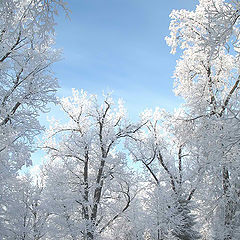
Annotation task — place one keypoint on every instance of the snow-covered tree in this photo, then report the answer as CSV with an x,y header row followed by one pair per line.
x,y
25,215
27,83
207,77
171,167
87,177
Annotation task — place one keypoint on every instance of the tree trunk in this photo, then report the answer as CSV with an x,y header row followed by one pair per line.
x,y
229,205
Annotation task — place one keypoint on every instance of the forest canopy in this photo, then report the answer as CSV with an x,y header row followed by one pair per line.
x,y
186,184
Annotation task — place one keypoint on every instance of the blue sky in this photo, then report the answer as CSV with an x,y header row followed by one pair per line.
x,y
118,45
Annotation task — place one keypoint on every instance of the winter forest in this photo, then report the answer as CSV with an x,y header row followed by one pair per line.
x,y
167,175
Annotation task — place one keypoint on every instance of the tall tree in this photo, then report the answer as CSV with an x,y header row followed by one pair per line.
x,y
207,77
92,180
170,166
27,83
